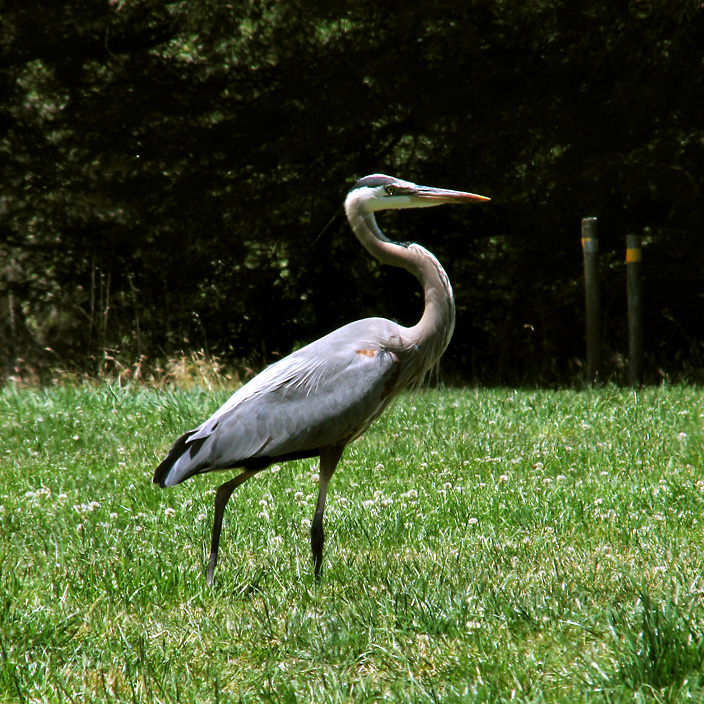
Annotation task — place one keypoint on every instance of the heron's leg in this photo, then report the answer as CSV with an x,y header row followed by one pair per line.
x,y
222,496
329,458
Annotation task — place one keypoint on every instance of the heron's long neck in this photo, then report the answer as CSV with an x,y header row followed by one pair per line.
x,y
434,330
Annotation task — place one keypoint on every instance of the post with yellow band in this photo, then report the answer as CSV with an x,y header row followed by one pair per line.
x,y
590,248
635,310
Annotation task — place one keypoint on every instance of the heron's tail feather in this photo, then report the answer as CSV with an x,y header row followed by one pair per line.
x,y
181,463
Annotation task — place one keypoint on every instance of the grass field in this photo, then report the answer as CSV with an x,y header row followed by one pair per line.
x,y
482,546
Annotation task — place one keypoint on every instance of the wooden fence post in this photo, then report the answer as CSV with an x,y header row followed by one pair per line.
x,y
635,310
590,248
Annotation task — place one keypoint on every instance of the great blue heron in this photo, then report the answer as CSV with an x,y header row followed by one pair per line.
x,y
325,395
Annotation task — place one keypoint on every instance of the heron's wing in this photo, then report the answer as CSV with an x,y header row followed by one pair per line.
x,y
327,393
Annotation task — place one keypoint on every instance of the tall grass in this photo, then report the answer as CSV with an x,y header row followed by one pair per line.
x,y
482,545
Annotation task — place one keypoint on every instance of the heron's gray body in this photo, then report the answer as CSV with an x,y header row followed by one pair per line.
x,y
325,395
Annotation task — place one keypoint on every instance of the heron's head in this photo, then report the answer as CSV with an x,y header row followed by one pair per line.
x,y
380,192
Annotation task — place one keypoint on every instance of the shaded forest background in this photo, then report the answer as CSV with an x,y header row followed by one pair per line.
x,y
167,169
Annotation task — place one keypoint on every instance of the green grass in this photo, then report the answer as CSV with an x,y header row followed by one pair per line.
x,y
482,546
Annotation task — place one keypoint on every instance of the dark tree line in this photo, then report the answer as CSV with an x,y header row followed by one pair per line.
x,y
167,169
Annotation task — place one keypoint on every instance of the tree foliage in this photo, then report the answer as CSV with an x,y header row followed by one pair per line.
x,y
167,169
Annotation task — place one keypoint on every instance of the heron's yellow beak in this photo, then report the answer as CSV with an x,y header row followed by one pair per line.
x,y
443,195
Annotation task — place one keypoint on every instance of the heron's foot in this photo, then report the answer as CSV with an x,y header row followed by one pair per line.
x,y
211,569
317,540
318,562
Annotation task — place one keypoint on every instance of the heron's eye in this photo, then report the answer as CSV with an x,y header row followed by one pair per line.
x,y
389,190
